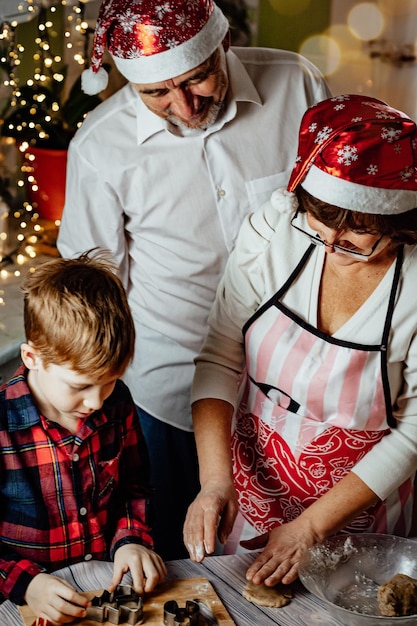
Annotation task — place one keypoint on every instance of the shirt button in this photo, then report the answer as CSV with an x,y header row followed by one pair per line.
x,y
88,557
83,511
75,457
221,193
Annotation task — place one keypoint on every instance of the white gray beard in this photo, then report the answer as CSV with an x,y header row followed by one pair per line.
x,y
179,128
183,131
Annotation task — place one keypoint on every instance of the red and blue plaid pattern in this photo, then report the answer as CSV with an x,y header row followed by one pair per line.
x,y
66,498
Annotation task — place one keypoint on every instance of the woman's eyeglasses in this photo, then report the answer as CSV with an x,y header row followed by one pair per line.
x,y
320,242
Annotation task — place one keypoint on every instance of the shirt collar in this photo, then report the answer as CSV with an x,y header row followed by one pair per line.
x,y
241,89
241,85
20,408
147,123
22,412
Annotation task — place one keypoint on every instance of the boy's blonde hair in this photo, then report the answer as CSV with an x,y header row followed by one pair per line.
x,y
76,313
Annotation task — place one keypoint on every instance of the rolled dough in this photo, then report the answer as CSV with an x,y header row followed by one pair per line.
x,y
277,596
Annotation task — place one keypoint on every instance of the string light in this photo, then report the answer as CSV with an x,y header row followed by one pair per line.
x,y
36,117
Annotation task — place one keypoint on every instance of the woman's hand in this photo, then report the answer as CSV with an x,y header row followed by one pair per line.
x,y
283,548
213,511
145,566
55,600
285,545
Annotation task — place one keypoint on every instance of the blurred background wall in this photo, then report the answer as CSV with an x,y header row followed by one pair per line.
x,y
361,47
365,47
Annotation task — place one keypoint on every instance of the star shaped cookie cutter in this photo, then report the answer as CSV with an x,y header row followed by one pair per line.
x,y
121,606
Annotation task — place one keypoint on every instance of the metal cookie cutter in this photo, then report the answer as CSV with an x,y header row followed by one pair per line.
x,y
121,606
176,616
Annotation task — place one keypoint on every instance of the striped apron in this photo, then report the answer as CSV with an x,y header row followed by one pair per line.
x,y
312,407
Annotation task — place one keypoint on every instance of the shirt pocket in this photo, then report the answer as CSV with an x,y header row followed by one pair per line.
x,y
108,478
260,190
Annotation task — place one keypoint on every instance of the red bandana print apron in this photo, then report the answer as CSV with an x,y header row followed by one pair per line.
x,y
312,407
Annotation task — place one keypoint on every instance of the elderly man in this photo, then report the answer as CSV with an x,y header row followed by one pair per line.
x,y
162,174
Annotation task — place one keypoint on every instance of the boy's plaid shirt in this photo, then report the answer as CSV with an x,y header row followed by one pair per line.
x,y
66,498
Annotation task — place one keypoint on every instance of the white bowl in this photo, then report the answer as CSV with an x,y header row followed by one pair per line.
x,y
345,572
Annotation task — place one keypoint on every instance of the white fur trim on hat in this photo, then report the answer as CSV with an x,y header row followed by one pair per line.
x,y
356,197
179,59
284,201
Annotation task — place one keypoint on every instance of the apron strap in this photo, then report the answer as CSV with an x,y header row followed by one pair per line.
x,y
281,290
392,422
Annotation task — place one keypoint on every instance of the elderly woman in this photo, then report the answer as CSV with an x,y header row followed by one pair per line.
x,y
311,356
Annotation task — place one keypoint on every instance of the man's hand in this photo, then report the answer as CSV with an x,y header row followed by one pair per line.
x,y
213,511
55,600
283,548
145,566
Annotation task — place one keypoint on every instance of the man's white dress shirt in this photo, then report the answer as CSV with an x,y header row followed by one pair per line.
x,y
169,207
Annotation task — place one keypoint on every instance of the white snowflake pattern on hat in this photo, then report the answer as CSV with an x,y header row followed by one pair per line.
x,y
128,21
347,155
341,98
183,21
407,173
162,9
323,134
390,134
364,159
383,115
172,42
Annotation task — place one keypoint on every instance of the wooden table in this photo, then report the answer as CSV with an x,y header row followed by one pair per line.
x,y
227,576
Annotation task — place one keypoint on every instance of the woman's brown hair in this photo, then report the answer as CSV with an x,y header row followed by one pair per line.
x,y
400,228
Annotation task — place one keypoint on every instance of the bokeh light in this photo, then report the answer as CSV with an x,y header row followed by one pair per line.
x,y
366,21
354,73
323,51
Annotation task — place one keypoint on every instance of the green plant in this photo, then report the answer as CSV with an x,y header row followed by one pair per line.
x,y
43,112
39,116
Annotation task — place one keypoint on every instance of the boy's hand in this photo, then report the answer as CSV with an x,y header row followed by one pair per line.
x,y
55,600
146,567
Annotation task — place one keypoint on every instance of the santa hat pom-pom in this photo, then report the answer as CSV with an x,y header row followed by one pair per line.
x,y
284,201
94,82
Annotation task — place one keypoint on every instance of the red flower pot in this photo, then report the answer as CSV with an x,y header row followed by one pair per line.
x,y
46,191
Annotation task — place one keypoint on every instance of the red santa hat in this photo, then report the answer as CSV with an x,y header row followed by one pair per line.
x,y
357,153
153,40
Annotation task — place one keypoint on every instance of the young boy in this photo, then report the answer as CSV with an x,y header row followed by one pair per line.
x,y
73,463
